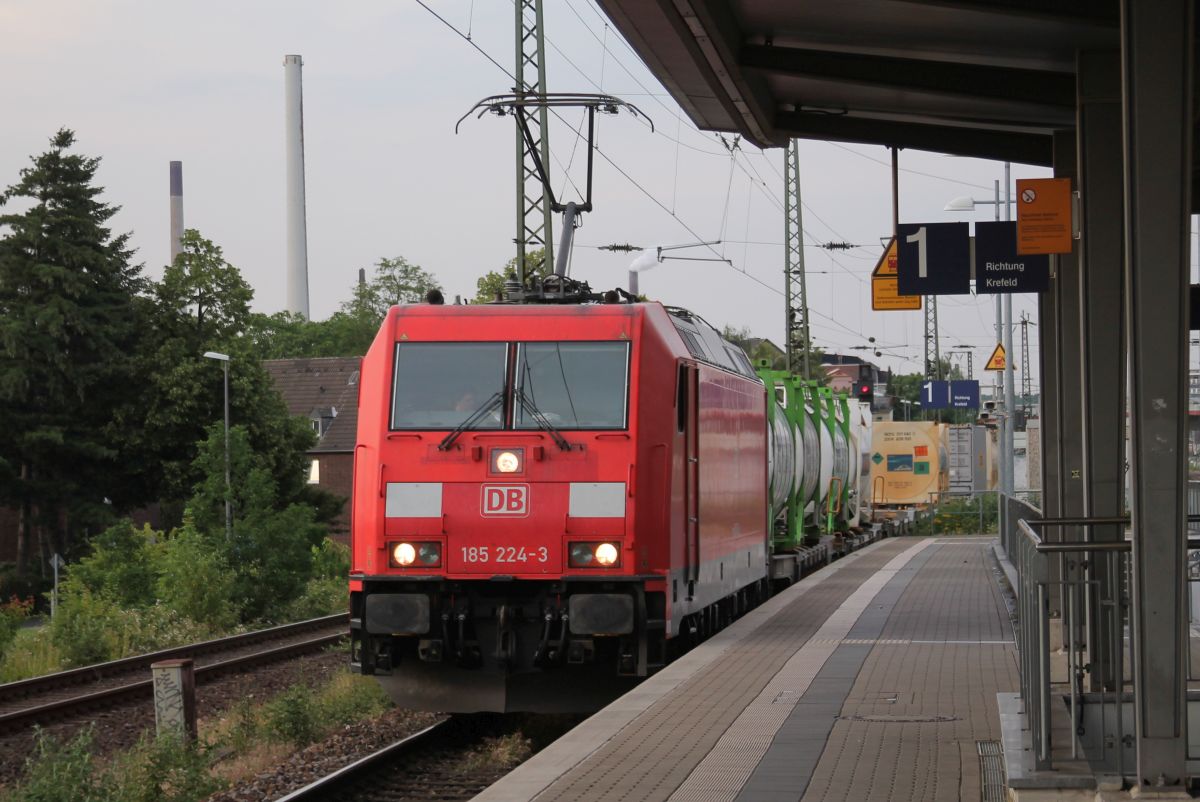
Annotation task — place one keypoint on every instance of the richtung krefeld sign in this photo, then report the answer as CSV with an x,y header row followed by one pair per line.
x,y
998,266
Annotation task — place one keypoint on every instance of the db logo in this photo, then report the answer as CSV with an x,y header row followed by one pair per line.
x,y
505,500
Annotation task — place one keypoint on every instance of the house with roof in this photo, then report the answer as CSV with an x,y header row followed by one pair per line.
x,y
325,391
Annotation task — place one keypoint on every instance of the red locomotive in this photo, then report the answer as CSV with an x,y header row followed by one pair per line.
x,y
548,498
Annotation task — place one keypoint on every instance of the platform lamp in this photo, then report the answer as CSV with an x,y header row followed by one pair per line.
x,y
224,360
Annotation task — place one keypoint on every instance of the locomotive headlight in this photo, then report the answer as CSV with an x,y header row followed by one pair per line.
x,y
593,555
404,553
429,553
582,555
507,460
425,555
607,554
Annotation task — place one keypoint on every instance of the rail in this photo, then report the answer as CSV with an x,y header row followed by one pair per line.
x,y
83,675
39,700
325,787
1073,632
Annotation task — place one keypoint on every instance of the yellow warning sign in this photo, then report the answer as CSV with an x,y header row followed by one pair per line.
x,y
998,358
885,290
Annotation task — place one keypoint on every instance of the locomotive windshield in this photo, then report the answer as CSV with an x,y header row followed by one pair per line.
x,y
441,385
575,385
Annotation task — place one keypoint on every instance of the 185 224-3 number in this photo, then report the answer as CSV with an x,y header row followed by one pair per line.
x,y
505,554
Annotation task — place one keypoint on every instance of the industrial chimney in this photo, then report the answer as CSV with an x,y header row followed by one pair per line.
x,y
297,235
176,209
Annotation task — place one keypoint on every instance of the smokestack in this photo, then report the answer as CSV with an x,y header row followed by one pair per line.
x,y
176,209
297,234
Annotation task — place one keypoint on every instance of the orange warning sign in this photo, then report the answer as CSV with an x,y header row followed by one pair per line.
x,y
885,289
998,358
1044,215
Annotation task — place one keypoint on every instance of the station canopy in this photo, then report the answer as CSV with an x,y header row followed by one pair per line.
x,y
991,79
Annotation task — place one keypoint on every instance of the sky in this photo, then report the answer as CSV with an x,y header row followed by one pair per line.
x,y
143,83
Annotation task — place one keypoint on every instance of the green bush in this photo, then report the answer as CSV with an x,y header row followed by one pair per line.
x,y
58,771
327,591
31,654
166,768
331,560
84,627
293,716
320,597
157,769
91,628
123,565
195,581
961,516
301,715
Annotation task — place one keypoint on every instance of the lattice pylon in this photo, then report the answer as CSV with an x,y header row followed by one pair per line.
x,y
795,294
933,354
534,225
1026,376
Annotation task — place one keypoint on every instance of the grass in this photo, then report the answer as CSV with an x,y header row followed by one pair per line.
x,y
247,739
31,654
502,752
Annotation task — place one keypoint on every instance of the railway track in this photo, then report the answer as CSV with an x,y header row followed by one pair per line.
x,y
65,694
445,762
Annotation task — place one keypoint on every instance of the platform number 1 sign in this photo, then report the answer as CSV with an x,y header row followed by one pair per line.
x,y
935,395
933,258
922,256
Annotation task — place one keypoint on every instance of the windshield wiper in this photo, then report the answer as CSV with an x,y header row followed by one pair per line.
x,y
471,420
541,421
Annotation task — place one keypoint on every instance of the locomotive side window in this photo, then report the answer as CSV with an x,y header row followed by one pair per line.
x,y
681,399
442,385
575,385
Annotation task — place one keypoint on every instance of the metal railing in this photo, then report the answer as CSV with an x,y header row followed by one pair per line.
x,y
1073,623
1089,637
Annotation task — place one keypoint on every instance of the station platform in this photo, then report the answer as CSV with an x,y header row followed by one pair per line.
x,y
874,678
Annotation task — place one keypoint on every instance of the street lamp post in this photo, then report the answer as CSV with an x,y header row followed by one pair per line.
x,y
224,360
1004,389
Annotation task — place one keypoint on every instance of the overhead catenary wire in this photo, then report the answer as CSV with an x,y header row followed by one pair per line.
x,y
649,195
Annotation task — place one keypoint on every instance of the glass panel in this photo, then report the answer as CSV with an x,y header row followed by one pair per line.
x,y
440,385
575,385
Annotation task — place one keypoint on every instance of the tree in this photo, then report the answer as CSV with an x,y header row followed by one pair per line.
x,y
349,331
70,322
203,304
490,285
273,536
203,293
396,281
759,349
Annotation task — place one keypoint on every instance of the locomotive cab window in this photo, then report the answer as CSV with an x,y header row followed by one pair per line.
x,y
443,385
573,385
